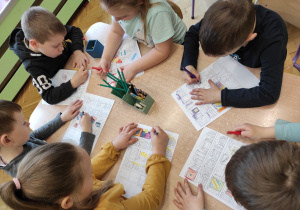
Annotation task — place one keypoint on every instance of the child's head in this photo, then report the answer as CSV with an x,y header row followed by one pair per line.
x,y
127,9
265,175
14,130
44,31
227,25
53,176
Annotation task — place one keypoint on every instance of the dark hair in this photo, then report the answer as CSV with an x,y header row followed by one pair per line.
x,y
7,110
40,24
47,174
132,3
226,26
265,175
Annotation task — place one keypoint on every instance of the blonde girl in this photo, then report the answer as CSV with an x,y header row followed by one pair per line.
x,y
152,22
62,176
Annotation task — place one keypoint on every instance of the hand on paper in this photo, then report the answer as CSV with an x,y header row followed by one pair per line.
x,y
80,77
104,66
255,132
124,140
71,111
207,96
85,122
159,140
185,198
80,59
187,78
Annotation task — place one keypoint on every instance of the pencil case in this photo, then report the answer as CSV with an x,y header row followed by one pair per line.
x,y
142,105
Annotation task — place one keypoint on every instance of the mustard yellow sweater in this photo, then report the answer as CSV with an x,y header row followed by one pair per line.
x,y
157,169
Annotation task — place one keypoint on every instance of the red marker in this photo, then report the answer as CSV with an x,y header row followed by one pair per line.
x,y
99,69
234,132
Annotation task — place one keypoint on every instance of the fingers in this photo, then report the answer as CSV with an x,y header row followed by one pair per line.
x,y
200,191
132,141
187,188
178,195
180,190
180,206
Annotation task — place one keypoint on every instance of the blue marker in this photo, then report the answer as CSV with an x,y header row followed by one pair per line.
x,y
191,75
133,57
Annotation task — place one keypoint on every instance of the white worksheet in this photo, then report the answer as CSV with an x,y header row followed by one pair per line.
x,y
63,76
98,108
128,52
132,170
224,72
207,162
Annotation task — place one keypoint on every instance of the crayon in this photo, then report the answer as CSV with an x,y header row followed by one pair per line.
x,y
234,132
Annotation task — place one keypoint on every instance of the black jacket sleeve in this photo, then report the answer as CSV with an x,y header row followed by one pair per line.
x,y
75,35
191,46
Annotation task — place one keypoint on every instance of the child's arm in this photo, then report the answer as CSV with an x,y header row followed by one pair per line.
x,y
86,138
157,169
255,132
109,154
75,35
48,129
185,198
155,56
112,44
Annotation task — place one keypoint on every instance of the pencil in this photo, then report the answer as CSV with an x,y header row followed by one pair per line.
x,y
234,132
191,75
99,69
124,79
112,87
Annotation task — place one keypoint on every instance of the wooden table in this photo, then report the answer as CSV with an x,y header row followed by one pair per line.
x,y
160,81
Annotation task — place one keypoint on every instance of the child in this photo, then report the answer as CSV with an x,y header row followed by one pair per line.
x,y
42,48
73,181
152,22
253,35
263,175
16,140
283,130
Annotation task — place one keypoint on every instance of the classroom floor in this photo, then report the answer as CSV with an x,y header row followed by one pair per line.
x,y
92,12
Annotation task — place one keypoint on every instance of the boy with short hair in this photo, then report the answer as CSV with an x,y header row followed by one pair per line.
x,y
16,140
253,35
264,175
42,47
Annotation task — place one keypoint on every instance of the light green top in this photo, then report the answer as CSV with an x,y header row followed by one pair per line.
x,y
163,23
288,131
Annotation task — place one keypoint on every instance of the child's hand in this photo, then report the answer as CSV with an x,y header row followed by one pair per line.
x,y
185,198
255,132
207,96
104,65
80,77
71,111
85,122
80,59
159,140
123,139
129,72
187,78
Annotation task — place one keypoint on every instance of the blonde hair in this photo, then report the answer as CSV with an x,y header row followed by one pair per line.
x,y
143,8
47,174
40,24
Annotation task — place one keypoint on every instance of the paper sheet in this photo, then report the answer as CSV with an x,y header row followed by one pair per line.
x,y
127,53
224,72
132,169
98,108
63,76
207,162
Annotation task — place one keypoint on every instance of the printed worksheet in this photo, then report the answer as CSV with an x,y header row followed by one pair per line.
x,y
63,76
98,108
128,52
224,72
132,170
206,165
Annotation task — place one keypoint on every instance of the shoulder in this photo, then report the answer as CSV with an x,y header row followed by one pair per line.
x,y
159,6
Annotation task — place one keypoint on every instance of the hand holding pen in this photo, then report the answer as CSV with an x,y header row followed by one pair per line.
x,y
190,75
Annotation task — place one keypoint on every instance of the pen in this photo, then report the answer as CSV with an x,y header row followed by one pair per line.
x,y
191,75
234,132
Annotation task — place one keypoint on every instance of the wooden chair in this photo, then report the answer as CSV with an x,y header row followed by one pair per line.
x,y
176,8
